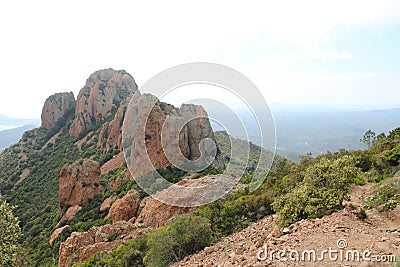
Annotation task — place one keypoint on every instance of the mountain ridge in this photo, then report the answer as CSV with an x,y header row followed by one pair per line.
x,y
74,133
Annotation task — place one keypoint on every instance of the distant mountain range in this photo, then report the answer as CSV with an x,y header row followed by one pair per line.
x,y
11,129
7,121
317,130
321,131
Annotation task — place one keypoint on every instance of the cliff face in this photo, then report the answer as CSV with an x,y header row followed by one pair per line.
x,y
166,120
58,109
79,182
111,133
104,91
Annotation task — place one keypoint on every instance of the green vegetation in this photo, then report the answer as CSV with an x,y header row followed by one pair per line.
x,y
185,236
224,143
386,196
37,197
320,190
368,138
9,235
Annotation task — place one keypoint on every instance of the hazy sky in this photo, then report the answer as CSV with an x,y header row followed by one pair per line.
x,y
323,53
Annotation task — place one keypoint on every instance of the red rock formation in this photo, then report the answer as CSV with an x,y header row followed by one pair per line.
x,y
156,213
125,208
104,91
116,162
111,133
56,234
69,214
107,203
58,109
79,182
81,246
198,129
167,120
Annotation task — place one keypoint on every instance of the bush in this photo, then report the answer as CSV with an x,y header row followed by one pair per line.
x,y
185,236
392,156
325,186
126,255
386,196
236,212
9,235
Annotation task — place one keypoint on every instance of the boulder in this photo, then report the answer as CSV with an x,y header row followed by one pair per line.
x,y
125,208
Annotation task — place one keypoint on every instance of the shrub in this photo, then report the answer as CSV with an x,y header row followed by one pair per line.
x,y
9,235
235,213
126,255
386,196
392,156
185,236
325,186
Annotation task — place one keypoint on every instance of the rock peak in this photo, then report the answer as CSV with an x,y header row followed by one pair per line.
x,y
105,91
57,110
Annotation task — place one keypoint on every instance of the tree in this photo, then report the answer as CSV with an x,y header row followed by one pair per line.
x,y
10,232
368,138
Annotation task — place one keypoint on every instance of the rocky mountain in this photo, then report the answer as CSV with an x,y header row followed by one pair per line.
x,y
77,202
103,93
69,176
57,110
176,134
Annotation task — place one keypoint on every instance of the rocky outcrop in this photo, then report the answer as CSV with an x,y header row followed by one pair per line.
x,y
110,136
81,246
70,214
116,162
125,208
156,213
107,203
197,129
79,182
56,234
57,110
103,93
182,128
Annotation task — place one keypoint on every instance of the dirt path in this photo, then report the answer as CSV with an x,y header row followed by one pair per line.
x,y
379,234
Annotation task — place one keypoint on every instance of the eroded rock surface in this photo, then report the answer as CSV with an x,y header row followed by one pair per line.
x,y
104,91
79,182
57,110
81,246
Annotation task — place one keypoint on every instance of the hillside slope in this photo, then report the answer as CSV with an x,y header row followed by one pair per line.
x,y
9,137
379,233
